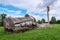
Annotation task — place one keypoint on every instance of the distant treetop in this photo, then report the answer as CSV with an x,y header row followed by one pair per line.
x,y
27,15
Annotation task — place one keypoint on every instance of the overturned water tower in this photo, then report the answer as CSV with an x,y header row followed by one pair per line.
x,y
20,24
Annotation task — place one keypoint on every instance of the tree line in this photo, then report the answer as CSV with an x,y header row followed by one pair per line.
x,y
52,21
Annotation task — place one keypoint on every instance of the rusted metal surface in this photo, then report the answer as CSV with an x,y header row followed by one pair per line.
x,y
22,23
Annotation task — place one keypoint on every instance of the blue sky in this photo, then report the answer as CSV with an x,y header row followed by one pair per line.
x,y
36,8
9,9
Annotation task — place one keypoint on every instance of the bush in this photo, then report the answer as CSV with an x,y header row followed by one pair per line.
x,y
43,20
53,20
58,22
39,22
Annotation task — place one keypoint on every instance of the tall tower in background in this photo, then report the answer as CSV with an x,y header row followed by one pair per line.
x,y
48,9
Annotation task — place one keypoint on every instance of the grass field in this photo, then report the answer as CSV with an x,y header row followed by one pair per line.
x,y
48,33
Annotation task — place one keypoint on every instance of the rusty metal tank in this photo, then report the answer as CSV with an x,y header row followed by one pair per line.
x,y
20,23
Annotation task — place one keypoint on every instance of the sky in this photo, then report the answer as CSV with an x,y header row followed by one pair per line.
x,y
35,8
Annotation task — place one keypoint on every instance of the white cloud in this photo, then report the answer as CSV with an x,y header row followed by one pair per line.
x,y
18,12
10,11
27,4
55,10
35,6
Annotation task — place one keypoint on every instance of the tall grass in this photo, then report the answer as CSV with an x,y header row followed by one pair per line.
x,y
48,33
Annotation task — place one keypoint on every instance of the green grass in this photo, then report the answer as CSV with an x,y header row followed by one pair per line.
x,y
48,33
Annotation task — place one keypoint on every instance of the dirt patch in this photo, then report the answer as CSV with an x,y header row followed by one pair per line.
x,y
43,25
